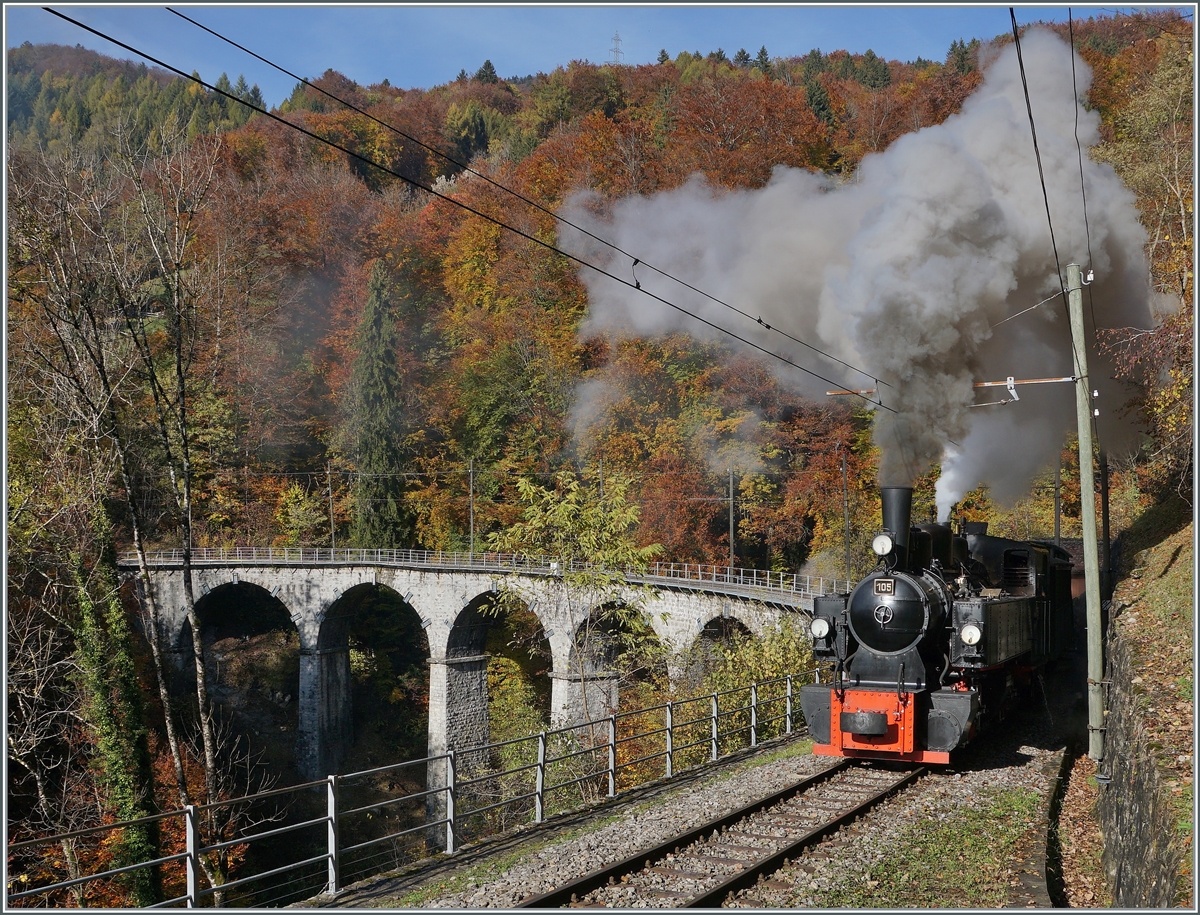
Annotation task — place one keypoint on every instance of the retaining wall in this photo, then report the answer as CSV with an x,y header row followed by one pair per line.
x,y
1143,850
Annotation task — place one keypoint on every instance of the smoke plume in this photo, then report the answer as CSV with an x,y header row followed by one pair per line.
x,y
908,272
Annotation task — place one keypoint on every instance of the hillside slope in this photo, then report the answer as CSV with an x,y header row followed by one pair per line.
x,y
1146,811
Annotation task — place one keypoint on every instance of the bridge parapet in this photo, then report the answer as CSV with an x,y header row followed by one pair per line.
x,y
739,582
442,588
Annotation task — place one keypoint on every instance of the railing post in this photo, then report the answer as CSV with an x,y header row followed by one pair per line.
x,y
754,714
714,726
331,806
612,755
450,802
192,829
539,810
789,703
670,740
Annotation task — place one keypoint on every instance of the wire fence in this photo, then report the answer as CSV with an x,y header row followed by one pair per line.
x,y
322,835
670,574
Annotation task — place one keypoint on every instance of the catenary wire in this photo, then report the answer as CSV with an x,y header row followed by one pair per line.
x,y
1079,149
533,203
1026,310
1037,151
1042,176
1083,193
464,206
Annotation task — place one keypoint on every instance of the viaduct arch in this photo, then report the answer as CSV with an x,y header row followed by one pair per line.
x,y
320,589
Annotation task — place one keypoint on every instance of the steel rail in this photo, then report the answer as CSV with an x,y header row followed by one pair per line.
x,y
580,886
713,897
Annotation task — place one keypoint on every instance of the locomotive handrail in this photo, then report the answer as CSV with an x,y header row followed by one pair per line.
x,y
665,574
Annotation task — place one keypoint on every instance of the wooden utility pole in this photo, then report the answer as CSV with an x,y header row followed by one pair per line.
x,y
730,516
1058,503
329,478
846,514
1087,499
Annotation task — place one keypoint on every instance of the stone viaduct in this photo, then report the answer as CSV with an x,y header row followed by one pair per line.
x,y
320,588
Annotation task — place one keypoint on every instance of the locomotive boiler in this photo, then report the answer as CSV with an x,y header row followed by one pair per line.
x,y
943,638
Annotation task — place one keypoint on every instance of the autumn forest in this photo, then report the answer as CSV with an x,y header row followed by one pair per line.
x,y
225,332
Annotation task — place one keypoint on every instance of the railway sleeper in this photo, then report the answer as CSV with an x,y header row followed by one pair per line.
x,y
739,863
680,873
734,847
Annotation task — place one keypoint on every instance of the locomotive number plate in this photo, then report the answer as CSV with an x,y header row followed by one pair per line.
x,y
885,586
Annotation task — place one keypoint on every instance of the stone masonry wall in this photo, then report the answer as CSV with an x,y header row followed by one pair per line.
x,y
1142,851
467,711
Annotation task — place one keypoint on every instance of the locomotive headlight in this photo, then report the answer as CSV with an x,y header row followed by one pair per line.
x,y
820,628
882,544
970,634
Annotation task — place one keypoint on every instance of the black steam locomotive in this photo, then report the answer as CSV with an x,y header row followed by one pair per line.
x,y
938,641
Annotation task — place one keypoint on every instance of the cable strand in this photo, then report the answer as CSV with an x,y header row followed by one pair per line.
x,y
533,203
467,207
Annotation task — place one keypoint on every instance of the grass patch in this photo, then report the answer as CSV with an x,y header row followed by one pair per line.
x,y
1184,685
962,863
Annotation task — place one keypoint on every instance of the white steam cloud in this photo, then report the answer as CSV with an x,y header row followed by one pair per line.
x,y
908,271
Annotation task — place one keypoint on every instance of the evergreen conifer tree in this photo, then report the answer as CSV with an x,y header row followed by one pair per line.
x,y
873,72
818,100
763,61
663,56
486,73
382,520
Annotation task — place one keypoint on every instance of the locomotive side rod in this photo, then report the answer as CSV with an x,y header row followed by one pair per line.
x,y
563,895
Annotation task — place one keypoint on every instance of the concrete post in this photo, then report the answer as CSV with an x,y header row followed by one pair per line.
x,y
1087,500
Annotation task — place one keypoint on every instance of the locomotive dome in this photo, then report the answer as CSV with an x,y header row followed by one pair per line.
x,y
889,611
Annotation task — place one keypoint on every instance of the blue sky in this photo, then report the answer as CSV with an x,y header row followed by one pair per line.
x,y
425,45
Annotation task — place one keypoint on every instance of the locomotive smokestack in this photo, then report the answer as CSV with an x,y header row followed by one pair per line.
x,y
897,514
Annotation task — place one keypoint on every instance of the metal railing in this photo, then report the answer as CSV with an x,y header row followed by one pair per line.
x,y
543,774
675,574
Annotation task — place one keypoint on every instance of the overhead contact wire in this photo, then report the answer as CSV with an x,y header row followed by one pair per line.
x,y
1041,174
533,203
1037,151
1083,193
468,208
1087,228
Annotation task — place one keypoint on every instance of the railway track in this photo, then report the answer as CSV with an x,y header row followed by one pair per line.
x,y
700,868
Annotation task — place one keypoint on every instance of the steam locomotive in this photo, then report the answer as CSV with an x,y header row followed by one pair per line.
x,y
942,639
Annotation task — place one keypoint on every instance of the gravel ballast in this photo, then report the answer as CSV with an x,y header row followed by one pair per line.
x,y
1023,754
